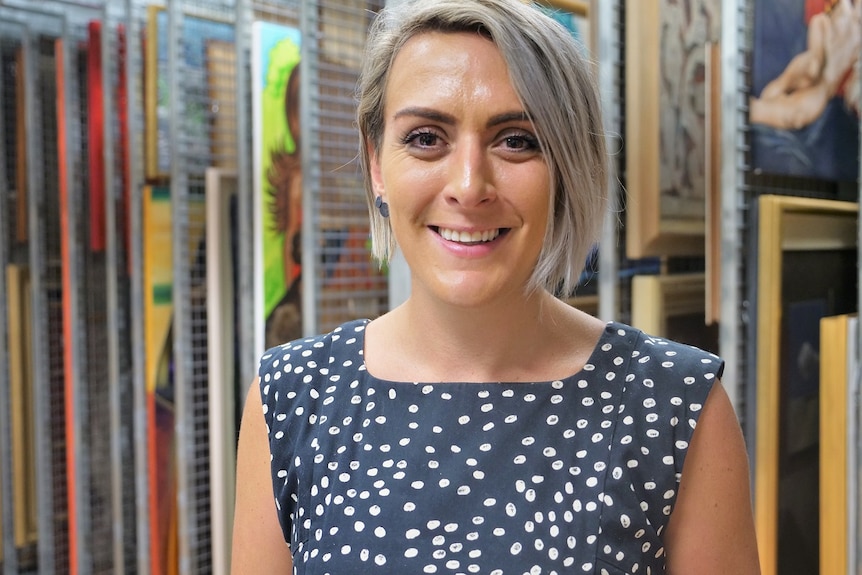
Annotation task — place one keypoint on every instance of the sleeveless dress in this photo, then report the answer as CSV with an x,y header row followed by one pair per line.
x,y
577,475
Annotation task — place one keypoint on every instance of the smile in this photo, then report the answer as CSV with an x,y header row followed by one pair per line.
x,y
469,237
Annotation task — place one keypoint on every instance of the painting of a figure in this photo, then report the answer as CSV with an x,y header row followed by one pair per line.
x,y
668,89
804,106
278,180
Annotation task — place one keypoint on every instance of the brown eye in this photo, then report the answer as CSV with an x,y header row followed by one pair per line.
x,y
520,143
426,139
421,139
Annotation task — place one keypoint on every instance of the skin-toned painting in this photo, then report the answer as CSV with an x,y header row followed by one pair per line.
x,y
804,105
666,59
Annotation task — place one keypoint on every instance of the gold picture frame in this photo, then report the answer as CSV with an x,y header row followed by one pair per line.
x,y
672,306
837,375
657,298
787,227
18,297
666,127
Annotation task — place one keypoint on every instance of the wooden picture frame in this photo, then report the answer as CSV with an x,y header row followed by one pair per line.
x,y
837,379
793,229
712,240
665,91
197,33
672,306
18,299
221,193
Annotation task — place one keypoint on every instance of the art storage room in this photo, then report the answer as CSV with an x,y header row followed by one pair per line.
x,y
610,327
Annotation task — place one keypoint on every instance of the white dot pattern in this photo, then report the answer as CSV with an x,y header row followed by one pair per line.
x,y
576,475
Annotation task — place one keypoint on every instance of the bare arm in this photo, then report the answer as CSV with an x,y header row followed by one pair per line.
x,y
711,530
258,542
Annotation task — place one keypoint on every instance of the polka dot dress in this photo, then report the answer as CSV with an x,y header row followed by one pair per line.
x,y
572,476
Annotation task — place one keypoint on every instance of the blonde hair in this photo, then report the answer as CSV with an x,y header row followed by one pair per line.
x,y
555,84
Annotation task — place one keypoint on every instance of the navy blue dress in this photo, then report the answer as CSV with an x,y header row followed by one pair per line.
x,y
577,475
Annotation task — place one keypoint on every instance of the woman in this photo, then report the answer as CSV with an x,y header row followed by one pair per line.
x,y
484,426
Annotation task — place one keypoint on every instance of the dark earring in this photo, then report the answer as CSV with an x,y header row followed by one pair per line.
x,y
381,206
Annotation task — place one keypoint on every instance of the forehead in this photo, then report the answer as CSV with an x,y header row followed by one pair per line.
x,y
464,65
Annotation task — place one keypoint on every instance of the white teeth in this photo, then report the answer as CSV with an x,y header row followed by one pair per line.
x,y
469,237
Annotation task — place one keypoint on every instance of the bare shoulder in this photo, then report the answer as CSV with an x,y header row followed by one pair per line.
x,y
711,530
258,542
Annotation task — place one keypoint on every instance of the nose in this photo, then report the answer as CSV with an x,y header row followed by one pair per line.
x,y
470,181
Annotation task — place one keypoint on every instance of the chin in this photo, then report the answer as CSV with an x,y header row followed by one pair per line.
x,y
477,290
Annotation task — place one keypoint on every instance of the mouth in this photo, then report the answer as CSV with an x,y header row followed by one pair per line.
x,y
470,238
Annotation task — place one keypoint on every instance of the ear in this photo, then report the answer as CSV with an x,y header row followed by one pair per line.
x,y
374,167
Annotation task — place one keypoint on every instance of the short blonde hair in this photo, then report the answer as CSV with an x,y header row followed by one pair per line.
x,y
554,82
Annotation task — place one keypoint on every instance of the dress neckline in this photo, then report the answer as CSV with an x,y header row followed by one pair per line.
x,y
613,331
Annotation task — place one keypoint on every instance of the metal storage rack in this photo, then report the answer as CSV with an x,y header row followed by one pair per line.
x,y
99,358
93,515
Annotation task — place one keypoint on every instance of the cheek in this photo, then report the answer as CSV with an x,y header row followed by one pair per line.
x,y
409,185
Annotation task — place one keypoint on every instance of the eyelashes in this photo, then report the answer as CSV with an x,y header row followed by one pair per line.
x,y
515,141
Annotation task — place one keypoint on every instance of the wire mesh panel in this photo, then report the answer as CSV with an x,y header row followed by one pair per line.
x,y
96,387
609,47
72,65
55,553
135,192
201,37
13,263
121,407
346,282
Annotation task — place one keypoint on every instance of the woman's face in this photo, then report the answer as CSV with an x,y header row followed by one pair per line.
x,y
460,166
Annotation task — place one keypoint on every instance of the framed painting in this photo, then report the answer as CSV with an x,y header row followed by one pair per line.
x,y
277,176
197,33
805,116
807,253
666,88
223,377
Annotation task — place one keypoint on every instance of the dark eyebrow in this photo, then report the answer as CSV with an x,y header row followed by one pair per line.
x,y
426,113
436,116
508,117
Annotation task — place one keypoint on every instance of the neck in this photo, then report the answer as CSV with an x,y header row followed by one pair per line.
x,y
512,341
